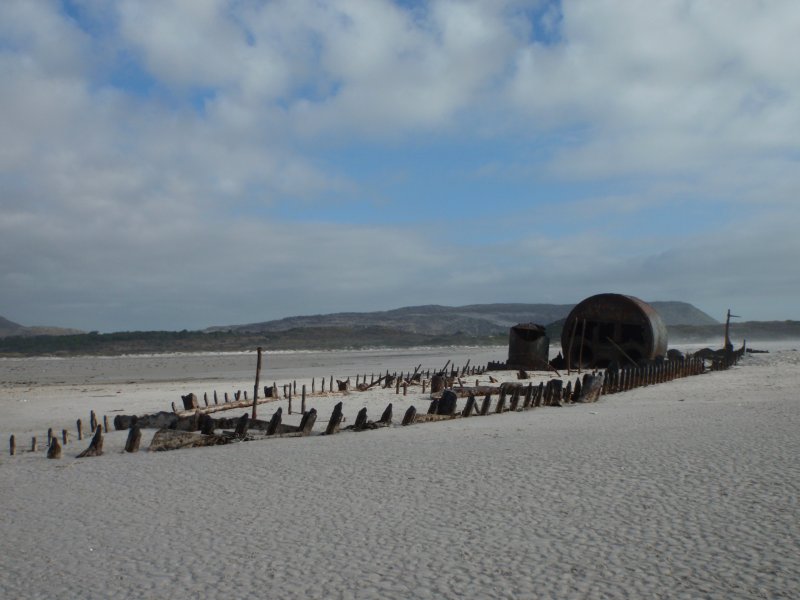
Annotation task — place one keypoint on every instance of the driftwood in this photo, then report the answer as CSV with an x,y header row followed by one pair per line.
x,y
169,439
95,446
487,401
363,387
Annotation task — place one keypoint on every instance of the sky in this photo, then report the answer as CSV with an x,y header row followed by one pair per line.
x,y
177,164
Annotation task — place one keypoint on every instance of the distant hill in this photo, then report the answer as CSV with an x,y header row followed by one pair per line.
x,y
472,319
9,329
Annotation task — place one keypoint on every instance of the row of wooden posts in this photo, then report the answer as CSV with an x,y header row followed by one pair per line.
x,y
554,393
288,391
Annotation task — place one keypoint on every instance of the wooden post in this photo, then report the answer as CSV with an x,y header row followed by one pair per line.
x,y
49,435
33,444
95,446
501,403
528,396
105,423
487,400
335,420
92,420
397,386
303,401
205,398
226,397
424,382
408,418
330,384
361,419
386,417
290,400
358,378
216,401
322,387
294,387
258,378
80,429
175,409
12,445
313,384
65,436
54,448
470,407
307,422
134,438
405,389
242,426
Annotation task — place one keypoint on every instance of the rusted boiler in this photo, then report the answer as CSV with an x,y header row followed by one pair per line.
x,y
528,347
613,327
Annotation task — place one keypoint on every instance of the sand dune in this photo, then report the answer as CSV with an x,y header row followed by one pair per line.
x,y
683,490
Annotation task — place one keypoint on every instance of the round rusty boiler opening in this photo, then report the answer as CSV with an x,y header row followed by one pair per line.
x,y
528,346
613,327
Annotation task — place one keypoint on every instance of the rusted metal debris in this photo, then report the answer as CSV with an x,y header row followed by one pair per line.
x,y
613,329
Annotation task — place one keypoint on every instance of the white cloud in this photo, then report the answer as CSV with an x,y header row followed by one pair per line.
x,y
115,198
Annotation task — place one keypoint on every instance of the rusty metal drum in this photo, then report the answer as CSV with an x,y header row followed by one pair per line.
x,y
608,328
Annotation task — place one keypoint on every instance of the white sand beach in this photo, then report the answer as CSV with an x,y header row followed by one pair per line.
x,y
687,489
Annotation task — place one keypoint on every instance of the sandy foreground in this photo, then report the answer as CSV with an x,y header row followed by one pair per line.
x,y
687,489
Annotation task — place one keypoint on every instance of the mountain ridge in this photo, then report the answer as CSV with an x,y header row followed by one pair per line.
x,y
470,319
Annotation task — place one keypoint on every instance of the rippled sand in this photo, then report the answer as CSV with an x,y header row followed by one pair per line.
x,y
684,490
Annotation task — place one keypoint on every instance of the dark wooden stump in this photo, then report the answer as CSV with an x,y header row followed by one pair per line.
x,y
275,421
361,419
189,402
437,383
408,418
92,420
307,422
514,401
134,439
242,425
54,449
95,446
386,417
335,421
487,401
433,407
447,403
469,407
207,425
501,403
12,445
